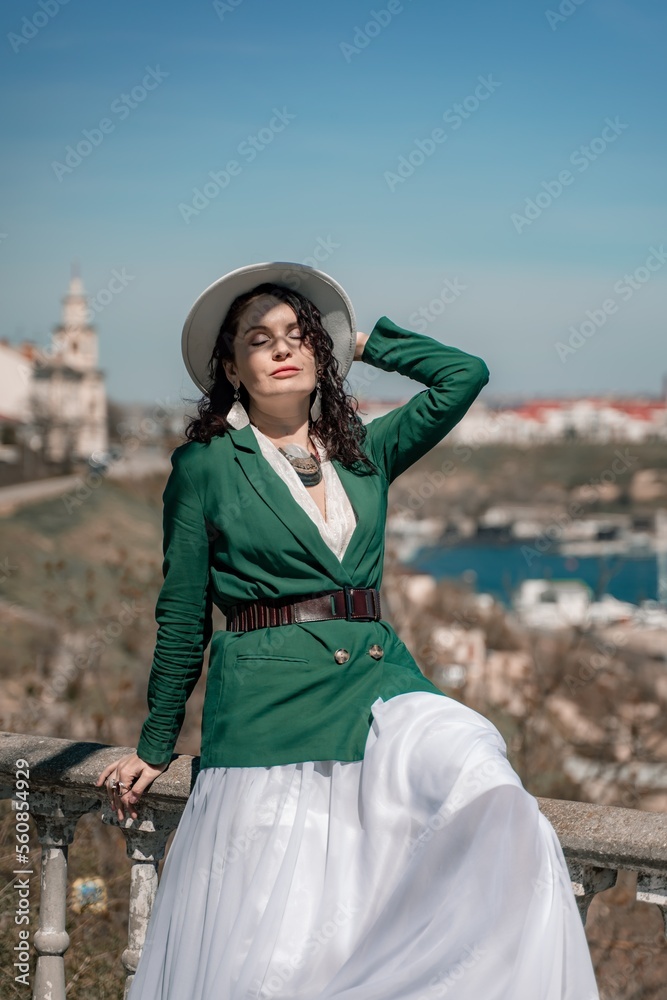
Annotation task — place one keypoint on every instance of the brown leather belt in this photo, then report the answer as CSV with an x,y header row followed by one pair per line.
x,y
351,603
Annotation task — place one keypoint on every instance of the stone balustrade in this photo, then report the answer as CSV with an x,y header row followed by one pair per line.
x,y
597,841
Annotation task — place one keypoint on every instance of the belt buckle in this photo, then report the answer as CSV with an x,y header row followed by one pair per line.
x,y
349,607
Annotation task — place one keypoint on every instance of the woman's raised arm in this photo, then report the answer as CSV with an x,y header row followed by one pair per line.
x,y
454,380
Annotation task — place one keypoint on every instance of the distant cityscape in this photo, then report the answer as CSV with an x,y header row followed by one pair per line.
x,y
54,403
595,419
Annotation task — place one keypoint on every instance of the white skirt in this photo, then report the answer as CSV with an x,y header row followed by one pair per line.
x,y
424,870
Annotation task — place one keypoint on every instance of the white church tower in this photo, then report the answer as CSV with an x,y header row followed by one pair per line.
x,y
69,397
74,339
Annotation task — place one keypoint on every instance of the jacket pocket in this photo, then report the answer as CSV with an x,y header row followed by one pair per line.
x,y
246,667
271,656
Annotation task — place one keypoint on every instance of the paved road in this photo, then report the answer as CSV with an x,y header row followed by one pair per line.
x,y
20,494
144,462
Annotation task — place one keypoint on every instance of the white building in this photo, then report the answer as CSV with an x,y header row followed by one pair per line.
x,y
67,397
547,604
538,421
15,378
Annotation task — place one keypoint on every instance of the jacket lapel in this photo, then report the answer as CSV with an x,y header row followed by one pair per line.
x,y
276,495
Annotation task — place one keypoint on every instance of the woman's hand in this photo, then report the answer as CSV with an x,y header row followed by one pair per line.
x,y
133,776
361,343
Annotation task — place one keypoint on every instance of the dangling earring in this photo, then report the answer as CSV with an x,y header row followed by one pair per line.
x,y
316,408
237,416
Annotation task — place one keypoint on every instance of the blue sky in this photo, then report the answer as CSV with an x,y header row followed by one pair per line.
x,y
358,89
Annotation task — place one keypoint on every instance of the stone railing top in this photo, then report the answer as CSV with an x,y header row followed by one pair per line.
x,y
604,836
609,836
71,767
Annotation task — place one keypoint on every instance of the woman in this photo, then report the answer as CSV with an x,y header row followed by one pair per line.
x,y
352,832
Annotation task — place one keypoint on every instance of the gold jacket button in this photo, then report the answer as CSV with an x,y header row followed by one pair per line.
x,y
376,651
342,655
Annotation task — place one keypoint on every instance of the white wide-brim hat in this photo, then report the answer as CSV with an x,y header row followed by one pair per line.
x,y
203,322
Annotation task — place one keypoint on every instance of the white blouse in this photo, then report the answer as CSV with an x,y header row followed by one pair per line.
x,y
341,520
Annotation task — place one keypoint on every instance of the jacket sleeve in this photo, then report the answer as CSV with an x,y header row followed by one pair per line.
x,y
397,439
183,614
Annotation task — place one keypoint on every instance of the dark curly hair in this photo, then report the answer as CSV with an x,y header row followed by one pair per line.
x,y
338,425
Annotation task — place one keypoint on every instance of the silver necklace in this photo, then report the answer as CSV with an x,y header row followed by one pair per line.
x,y
306,465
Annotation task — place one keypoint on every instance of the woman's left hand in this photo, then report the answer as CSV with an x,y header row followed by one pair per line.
x,y
361,343
137,775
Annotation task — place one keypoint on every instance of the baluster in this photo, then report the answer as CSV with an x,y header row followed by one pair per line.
x,y
146,839
653,889
587,881
55,817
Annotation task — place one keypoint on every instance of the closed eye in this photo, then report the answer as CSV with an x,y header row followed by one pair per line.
x,y
258,343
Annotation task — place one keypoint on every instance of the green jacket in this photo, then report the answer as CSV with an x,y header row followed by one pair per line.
x,y
233,532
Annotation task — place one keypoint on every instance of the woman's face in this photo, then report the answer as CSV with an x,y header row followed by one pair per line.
x,y
267,340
